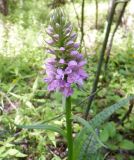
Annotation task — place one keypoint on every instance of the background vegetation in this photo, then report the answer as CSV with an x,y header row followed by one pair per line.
x,y
24,98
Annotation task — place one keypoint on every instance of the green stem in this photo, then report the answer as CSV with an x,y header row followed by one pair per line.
x,y
69,128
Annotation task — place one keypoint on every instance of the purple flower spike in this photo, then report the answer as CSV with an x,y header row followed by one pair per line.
x,y
66,68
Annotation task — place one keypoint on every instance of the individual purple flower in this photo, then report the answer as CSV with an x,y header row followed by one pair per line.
x,y
74,53
51,51
62,49
53,85
49,30
62,61
73,36
66,67
68,70
66,90
81,63
76,45
56,36
72,63
50,61
70,43
72,78
60,74
79,57
50,42
68,30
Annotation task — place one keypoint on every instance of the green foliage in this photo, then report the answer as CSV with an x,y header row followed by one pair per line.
x,y
7,150
108,131
127,145
87,139
24,98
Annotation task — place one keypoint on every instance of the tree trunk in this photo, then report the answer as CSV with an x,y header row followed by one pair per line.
x,y
4,7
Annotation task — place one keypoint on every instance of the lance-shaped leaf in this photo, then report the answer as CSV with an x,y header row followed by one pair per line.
x,y
84,149
45,127
87,141
107,112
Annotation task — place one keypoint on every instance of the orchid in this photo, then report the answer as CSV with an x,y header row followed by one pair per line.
x,y
66,66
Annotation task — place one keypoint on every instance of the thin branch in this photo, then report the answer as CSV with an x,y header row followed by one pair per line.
x,y
90,95
77,16
128,112
122,1
96,14
102,53
112,37
8,99
82,21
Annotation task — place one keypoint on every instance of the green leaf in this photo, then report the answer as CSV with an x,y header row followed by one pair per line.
x,y
111,129
2,149
86,142
126,144
104,135
107,112
45,127
112,146
16,96
88,126
35,85
84,134
16,153
78,143
108,131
